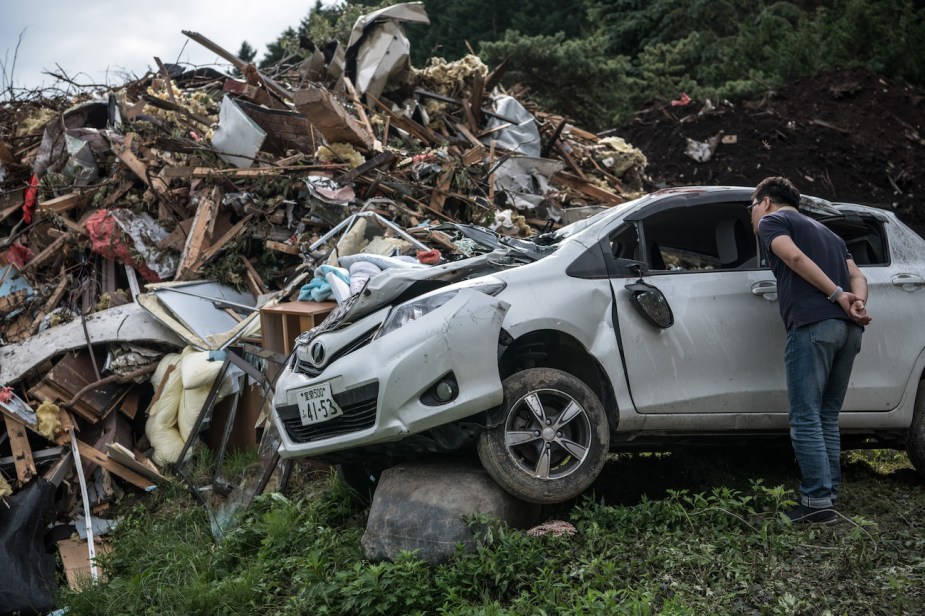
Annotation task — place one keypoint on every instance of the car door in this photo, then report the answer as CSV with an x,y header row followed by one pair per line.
x,y
724,352
890,256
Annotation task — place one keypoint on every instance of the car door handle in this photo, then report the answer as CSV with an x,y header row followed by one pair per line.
x,y
767,289
908,282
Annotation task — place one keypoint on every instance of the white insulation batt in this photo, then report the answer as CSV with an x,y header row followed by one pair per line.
x,y
173,414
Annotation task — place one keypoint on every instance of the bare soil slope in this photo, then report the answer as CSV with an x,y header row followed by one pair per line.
x,y
844,135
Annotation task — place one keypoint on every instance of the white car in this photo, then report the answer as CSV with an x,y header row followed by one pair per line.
x,y
652,323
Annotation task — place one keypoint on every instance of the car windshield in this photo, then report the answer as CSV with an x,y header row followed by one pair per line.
x,y
580,225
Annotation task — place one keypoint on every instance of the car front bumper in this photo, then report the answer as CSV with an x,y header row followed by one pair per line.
x,y
382,385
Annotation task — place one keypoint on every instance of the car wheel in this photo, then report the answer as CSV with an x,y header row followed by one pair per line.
x,y
915,443
553,438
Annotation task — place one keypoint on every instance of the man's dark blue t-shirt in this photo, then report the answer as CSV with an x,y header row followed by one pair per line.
x,y
800,302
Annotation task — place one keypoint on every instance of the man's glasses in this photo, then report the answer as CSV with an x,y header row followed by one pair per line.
x,y
753,206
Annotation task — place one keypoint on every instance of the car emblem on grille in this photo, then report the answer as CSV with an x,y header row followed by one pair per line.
x,y
317,352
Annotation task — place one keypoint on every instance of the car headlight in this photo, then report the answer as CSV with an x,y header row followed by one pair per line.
x,y
416,308
413,310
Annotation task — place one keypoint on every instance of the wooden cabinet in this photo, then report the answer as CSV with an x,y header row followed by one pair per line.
x,y
282,323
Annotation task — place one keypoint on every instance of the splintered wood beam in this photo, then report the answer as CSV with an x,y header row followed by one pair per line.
x,y
254,279
465,132
198,236
361,110
218,244
22,451
544,153
281,247
124,152
51,250
385,159
53,299
205,172
494,77
98,457
65,203
417,130
586,188
238,62
441,190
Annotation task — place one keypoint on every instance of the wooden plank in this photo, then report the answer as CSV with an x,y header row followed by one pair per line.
x,y
440,191
385,159
134,461
206,172
60,469
253,278
75,558
53,249
465,132
130,403
586,188
281,247
198,236
97,456
361,112
22,451
65,203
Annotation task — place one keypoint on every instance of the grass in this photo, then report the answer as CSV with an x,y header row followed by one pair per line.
x,y
700,534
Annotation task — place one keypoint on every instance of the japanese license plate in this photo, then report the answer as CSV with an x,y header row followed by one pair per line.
x,y
316,404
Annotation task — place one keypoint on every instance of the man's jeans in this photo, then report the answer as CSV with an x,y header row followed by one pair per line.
x,y
818,359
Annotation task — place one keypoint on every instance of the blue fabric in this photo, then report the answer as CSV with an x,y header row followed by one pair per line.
x,y
318,289
800,302
818,359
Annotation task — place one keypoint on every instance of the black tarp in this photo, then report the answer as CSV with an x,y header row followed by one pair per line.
x,y
27,571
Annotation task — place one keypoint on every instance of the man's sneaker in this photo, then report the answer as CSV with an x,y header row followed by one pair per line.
x,y
801,514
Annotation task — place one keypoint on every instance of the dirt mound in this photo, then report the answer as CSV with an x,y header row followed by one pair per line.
x,y
844,135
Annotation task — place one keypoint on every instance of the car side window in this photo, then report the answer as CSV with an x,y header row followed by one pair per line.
x,y
713,236
864,237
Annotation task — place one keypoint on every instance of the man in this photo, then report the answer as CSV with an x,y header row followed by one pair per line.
x,y
823,297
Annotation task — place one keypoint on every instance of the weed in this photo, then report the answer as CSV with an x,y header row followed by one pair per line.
x,y
720,548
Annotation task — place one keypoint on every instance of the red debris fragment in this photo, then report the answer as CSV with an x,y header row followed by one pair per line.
x,y
31,198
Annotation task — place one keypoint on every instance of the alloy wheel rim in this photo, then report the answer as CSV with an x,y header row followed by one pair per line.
x,y
548,434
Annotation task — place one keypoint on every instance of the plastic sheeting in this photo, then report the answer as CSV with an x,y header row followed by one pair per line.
x,y
27,582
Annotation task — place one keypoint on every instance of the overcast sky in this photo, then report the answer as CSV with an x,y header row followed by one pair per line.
x,y
98,41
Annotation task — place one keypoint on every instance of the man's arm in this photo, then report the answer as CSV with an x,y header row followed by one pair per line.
x,y
853,302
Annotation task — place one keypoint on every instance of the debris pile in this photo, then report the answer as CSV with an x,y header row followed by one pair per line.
x,y
165,241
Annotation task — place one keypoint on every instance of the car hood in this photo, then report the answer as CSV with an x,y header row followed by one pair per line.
x,y
397,285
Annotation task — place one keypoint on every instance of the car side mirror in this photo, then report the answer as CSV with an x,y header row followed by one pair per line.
x,y
651,304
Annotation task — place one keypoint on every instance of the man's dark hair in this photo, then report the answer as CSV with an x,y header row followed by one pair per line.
x,y
780,190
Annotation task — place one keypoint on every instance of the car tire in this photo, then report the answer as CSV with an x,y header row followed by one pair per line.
x,y
552,440
915,443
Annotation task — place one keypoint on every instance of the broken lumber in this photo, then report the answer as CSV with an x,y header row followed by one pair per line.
x,y
330,117
94,455
198,236
22,451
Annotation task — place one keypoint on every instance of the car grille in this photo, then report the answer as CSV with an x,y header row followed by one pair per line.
x,y
359,406
303,367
